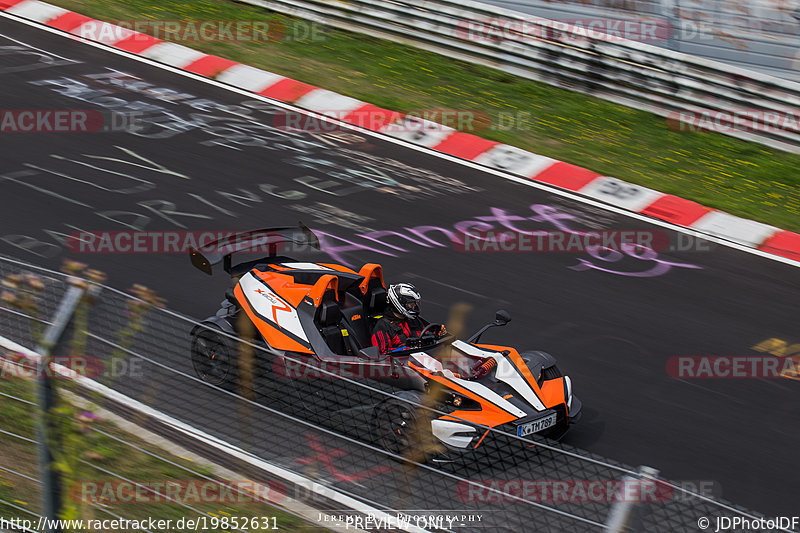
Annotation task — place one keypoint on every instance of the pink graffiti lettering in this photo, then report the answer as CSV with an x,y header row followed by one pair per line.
x,y
393,243
637,251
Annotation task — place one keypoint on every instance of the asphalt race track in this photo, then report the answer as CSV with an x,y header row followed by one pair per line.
x,y
212,159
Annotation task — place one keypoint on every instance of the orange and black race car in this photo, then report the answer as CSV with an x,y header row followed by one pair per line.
x,y
313,321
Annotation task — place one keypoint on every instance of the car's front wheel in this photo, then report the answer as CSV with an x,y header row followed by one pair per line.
x,y
397,426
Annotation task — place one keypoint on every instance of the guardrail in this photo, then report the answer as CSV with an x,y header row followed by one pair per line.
x,y
328,450
760,35
711,95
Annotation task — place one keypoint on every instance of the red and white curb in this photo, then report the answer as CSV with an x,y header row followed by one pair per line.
x,y
503,157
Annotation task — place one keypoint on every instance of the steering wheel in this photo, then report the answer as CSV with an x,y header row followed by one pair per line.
x,y
426,337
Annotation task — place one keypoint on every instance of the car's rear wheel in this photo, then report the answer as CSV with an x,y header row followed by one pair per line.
x,y
213,358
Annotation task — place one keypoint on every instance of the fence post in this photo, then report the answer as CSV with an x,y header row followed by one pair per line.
x,y
48,431
626,512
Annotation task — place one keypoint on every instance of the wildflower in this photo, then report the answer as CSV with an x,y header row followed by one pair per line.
x,y
94,456
8,298
96,276
136,307
72,267
148,295
12,281
34,282
27,302
77,282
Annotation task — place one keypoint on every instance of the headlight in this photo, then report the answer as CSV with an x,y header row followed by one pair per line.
x,y
568,391
456,400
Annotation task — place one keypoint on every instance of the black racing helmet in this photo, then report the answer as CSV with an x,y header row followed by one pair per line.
x,y
404,298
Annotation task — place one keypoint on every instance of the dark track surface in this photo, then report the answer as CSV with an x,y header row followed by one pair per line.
x,y
612,333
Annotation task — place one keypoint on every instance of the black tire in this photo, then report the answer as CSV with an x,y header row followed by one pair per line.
x,y
394,425
551,372
549,368
213,358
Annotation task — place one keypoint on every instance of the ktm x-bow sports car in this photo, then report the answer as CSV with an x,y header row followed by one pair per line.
x,y
313,322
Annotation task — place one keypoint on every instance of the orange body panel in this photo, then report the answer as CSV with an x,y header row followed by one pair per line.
x,y
490,415
370,271
550,399
271,334
284,286
553,392
324,284
292,292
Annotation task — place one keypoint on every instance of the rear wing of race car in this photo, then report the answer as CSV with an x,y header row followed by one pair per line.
x,y
269,240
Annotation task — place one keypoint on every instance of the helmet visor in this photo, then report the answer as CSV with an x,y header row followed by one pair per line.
x,y
412,306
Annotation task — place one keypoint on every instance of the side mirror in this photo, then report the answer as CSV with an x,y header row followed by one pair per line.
x,y
501,317
200,262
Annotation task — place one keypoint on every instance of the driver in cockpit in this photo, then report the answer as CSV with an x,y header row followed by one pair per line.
x,y
401,320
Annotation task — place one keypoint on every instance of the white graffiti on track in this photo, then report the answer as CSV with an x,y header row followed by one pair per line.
x,y
379,174
328,163
323,213
327,166
159,117
389,243
68,179
24,58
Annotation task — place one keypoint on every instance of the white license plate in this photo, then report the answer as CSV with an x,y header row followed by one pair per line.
x,y
536,426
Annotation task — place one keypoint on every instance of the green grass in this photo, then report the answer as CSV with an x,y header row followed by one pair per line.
x,y
743,178
109,454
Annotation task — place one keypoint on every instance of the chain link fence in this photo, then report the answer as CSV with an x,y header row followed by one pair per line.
x,y
312,439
